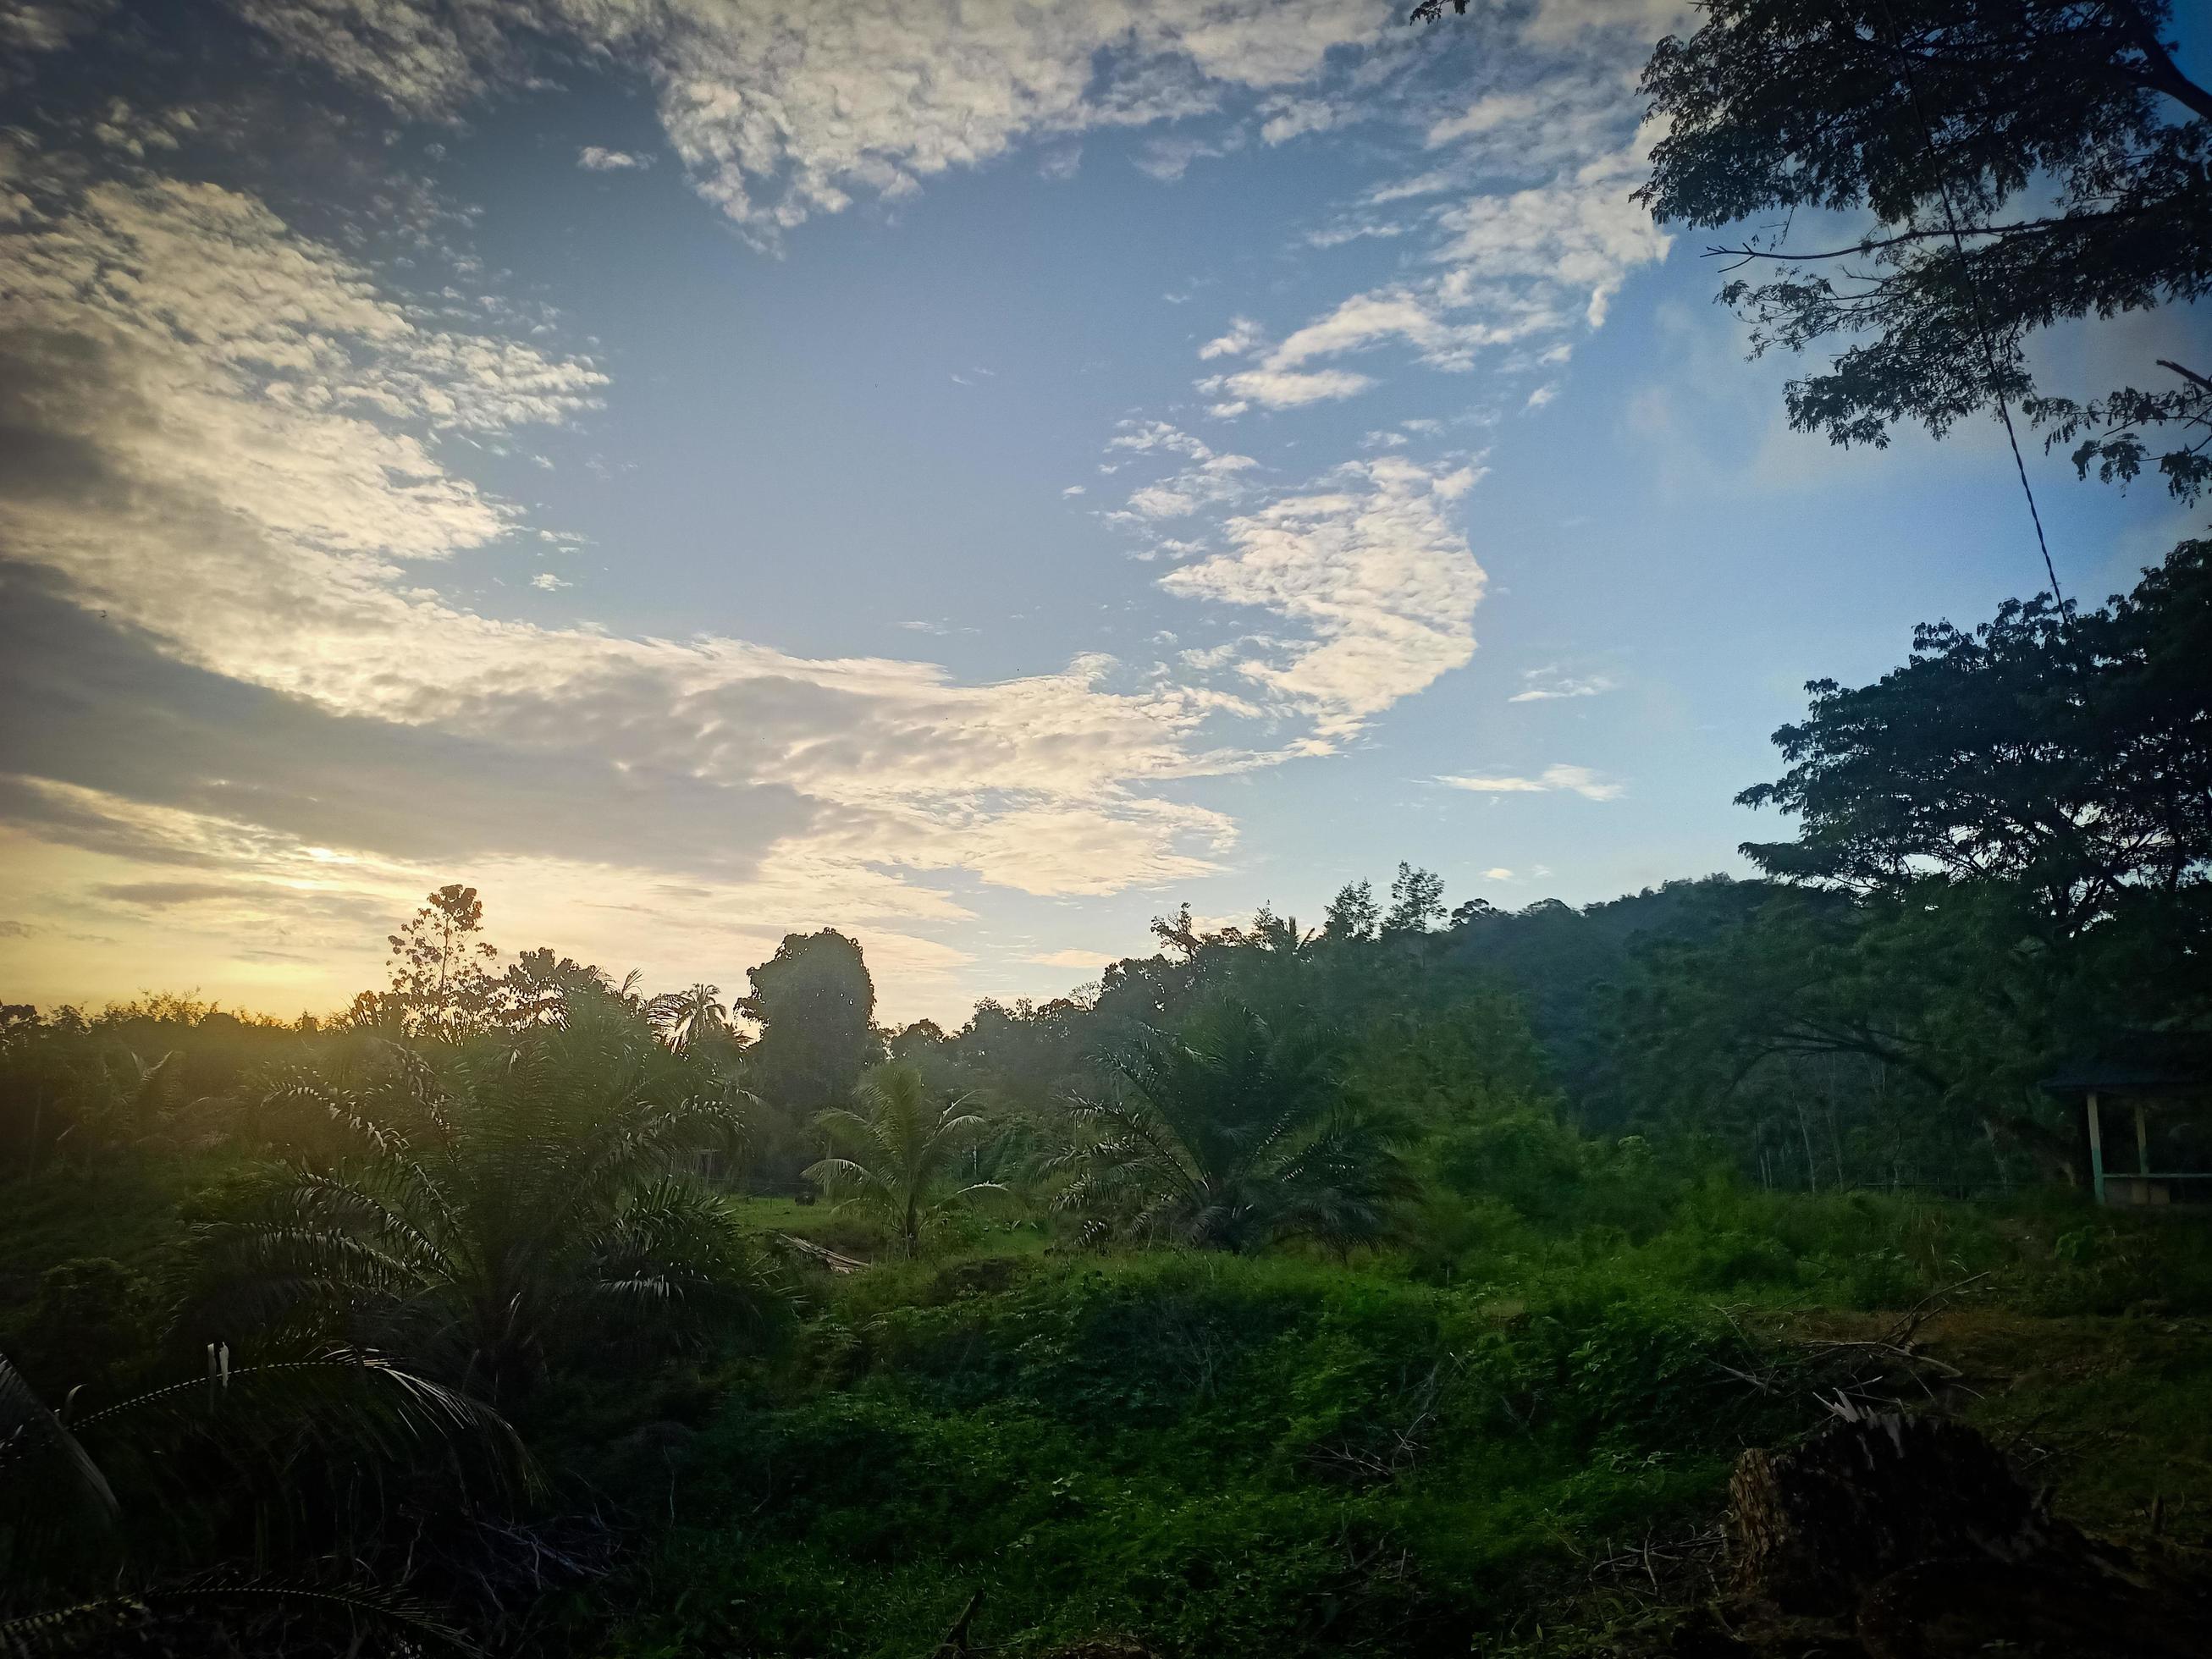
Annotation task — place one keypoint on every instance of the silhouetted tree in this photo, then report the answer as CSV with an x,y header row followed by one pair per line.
x,y
441,964
2071,755
1417,901
816,1006
1353,914
2025,162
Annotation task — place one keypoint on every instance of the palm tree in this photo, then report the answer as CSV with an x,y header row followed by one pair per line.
x,y
529,1196
108,1517
686,1017
1231,1135
903,1149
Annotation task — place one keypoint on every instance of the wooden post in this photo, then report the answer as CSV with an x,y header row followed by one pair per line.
x,y
2096,1150
2143,1156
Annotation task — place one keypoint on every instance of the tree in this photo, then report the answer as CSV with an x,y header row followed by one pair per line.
x,y
440,964
540,988
535,1201
103,1512
900,1151
1353,914
815,1005
2024,163
2070,753
687,1018
1417,901
1231,1135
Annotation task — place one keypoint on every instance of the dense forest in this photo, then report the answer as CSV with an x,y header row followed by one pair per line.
x,y
1412,1278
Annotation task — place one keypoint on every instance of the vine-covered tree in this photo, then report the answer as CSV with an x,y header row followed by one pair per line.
x,y
815,1004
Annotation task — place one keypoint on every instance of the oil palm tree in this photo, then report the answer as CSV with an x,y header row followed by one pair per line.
x,y
525,1197
1229,1134
901,1150
113,1520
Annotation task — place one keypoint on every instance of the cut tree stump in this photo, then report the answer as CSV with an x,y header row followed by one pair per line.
x,y
1815,1526
1913,1534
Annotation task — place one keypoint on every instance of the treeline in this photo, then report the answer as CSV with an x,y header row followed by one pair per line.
x,y
2000,872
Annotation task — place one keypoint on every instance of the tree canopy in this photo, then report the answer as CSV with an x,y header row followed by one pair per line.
x,y
2070,753
2023,163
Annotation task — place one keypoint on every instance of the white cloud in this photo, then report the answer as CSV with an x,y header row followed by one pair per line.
x,y
1500,874
1486,114
1366,562
1580,779
781,113
1088,962
547,582
1241,336
1543,684
253,484
1275,388
1147,435
593,159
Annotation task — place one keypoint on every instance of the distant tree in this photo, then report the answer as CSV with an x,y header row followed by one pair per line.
x,y
2072,756
441,964
1178,933
688,1019
2024,163
1230,1134
1353,914
898,1156
1278,935
1417,901
540,988
816,1006
924,1036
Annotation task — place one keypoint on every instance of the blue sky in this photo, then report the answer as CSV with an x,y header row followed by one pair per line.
x,y
976,476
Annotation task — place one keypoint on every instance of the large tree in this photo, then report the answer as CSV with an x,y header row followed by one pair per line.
x,y
815,1004
2070,754
2012,163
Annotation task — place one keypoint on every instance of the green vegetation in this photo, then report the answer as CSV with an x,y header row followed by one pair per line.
x,y
1289,1291
1407,1285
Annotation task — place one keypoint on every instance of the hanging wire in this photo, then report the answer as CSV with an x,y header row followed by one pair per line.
x,y
1973,297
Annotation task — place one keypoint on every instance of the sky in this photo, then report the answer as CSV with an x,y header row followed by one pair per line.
x,y
971,474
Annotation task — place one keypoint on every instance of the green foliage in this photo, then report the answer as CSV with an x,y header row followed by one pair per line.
x,y
2061,752
1230,1134
902,1158
526,1202
2025,161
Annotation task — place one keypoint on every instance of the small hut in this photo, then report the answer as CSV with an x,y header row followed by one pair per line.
x,y
2150,1131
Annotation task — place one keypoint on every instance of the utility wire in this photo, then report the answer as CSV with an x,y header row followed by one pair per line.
x,y
1973,297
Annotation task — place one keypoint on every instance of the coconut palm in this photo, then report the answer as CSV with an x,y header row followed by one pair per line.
x,y
687,1017
527,1197
900,1151
1230,1135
